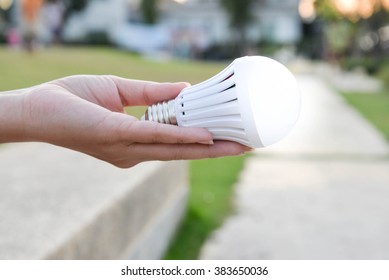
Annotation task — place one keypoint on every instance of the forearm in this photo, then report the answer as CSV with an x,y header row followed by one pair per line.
x,y
12,125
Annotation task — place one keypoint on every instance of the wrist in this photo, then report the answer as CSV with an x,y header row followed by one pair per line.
x,y
12,123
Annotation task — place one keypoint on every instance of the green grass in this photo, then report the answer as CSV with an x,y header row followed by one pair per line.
x,y
20,69
210,202
211,180
375,107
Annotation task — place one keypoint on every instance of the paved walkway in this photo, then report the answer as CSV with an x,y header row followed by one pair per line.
x,y
322,193
59,204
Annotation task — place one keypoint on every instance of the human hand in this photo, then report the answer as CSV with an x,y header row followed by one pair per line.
x,y
86,114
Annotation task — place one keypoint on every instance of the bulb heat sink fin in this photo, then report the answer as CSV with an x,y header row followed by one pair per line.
x,y
254,101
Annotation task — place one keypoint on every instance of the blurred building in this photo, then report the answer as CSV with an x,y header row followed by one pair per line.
x,y
275,21
183,23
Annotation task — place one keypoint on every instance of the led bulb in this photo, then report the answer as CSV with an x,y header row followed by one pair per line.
x,y
255,101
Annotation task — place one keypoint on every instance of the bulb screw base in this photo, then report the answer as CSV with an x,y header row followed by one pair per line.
x,y
163,112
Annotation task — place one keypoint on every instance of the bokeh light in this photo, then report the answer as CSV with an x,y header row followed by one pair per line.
x,y
5,4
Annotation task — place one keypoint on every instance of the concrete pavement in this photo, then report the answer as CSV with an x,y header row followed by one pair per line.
x,y
322,193
59,204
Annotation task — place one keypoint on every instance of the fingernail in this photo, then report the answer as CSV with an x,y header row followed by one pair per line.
x,y
210,142
184,83
247,150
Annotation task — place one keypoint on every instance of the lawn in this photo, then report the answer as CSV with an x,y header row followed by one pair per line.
x,y
211,180
375,107
19,69
210,202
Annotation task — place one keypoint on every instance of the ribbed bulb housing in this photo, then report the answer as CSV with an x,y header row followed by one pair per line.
x,y
254,101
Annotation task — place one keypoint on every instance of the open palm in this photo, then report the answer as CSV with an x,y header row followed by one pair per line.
x,y
86,113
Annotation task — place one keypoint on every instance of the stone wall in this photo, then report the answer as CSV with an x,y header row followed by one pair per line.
x,y
60,204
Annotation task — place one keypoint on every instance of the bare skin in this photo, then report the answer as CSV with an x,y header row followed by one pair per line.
x,y
86,114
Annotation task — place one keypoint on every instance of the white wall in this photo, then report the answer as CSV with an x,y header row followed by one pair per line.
x,y
199,23
99,15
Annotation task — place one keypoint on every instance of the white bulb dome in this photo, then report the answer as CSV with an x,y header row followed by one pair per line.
x,y
255,101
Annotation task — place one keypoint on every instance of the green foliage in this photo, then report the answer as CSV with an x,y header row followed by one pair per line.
x,y
5,15
240,14
210,202
149,11
326,10
383,73
239,11
370,64
340,35
74,6
346,29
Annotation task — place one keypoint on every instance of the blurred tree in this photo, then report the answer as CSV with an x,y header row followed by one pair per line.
x,y
74,6
355,32
352,10
149,11
240,13
5,11
326,10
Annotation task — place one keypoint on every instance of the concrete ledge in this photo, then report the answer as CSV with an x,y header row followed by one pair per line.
x,y
60,204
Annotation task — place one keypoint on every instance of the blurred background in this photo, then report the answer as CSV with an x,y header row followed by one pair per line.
x,y
198,29
339,51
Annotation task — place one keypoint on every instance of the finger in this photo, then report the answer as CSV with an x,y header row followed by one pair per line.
x,y
136,92
165,152
153,132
